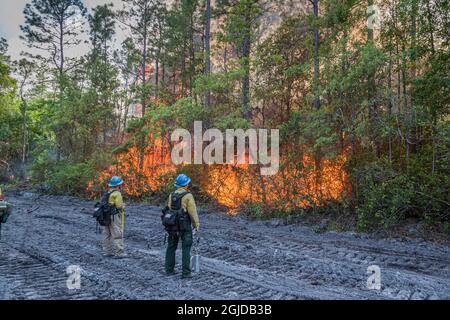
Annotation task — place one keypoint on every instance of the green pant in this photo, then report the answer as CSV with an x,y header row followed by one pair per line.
x,y
186,244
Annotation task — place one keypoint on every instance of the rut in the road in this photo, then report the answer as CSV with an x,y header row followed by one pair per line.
x,y
241,259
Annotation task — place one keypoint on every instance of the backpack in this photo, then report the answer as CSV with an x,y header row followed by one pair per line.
x,y
104,211
5,211
175,218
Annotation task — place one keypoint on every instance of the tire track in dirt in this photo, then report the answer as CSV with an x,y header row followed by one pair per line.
x,y
241,259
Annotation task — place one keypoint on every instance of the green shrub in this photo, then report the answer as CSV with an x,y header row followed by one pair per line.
x,y
255,211
385,196
63,177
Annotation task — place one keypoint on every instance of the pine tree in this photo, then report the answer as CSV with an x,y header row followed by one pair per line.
x,y
207,37
102,73
138,15
53,26
239,30
25,70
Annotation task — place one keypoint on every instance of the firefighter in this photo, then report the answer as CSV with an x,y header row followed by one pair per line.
x,y
113,234
5,210
6,207
189,207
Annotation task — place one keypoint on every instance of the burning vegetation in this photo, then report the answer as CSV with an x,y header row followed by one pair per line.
x,y
300,183
362,109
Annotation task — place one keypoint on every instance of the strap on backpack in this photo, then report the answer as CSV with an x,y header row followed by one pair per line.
x,y
108,195
178,197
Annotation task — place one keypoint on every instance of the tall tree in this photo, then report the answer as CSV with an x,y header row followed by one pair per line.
x,y
239,28
127,60
207,37
246,12
6,81
181,30
315,4
371,87
157,41
102,29
53,26
102,73
138,15
25,69
9,135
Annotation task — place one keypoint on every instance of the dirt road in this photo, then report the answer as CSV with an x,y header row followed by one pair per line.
x,y
240,259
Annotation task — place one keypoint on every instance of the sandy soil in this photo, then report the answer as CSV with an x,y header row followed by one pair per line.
x,y
241,259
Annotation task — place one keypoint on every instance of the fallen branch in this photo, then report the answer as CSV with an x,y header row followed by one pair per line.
x,y
435,199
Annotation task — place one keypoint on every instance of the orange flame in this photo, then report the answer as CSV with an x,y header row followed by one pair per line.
x,y
157,170
233,186
297,184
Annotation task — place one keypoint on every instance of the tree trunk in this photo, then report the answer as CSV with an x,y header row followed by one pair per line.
x,y
163,71
192,58
316,55
390,105
157,62
405,105
371,89
413,133
431,26
245,55
207,70
156,77
25,131
60,80
183,68
143,97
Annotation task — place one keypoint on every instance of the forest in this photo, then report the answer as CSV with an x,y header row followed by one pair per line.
x,y
359,90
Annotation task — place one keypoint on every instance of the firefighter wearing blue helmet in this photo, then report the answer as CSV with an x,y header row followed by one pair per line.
x,y
113,244
184,200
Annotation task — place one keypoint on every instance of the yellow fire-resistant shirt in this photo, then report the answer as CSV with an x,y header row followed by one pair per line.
x,y
115,199
188,204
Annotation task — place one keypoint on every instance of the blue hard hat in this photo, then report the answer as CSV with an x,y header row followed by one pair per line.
x,y
182,181
115,182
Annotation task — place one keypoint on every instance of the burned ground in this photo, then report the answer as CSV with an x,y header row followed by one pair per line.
x,y
241,259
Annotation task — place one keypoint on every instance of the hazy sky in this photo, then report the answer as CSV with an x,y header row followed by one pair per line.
x,y
11,17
